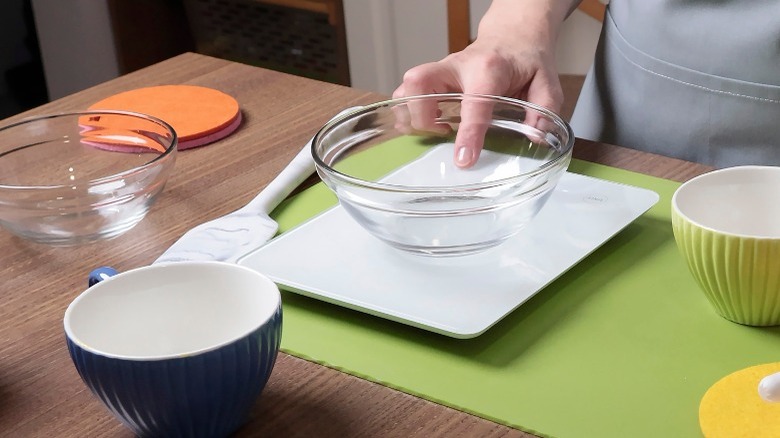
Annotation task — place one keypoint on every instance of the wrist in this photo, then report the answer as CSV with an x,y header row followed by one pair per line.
x,y
534,21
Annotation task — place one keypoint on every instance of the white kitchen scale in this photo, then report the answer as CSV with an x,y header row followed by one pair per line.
x,y
331,258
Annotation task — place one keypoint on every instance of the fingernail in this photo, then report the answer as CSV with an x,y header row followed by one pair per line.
x,y
463,156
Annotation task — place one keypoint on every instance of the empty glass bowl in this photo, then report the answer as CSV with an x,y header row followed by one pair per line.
x,y
392,166
75,178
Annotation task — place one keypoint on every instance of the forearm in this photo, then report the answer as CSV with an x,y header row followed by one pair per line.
x,y
531,20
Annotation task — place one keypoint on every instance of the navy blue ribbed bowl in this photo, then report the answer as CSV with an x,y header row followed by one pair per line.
x,y
181,397
204,393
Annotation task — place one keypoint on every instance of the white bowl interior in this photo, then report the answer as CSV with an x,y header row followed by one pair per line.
x,y
163,311
741,200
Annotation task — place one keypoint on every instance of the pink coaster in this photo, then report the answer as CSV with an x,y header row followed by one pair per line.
x,y
111,141
210,138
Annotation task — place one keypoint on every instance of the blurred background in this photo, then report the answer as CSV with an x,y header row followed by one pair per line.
x,y
22,83
52,48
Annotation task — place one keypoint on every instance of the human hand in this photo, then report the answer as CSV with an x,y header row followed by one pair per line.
x,y
508,58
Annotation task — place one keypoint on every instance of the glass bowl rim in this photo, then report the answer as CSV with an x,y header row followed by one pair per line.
x,y
352,180
169,151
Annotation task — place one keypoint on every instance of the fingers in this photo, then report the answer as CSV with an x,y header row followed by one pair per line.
x,y
420,116
475,115
450,75
546,92
479,69
486,76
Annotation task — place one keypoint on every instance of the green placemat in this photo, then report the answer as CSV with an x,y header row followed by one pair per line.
x,y
622,345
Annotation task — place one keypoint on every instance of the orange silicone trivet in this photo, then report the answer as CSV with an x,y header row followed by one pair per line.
x,y
191,110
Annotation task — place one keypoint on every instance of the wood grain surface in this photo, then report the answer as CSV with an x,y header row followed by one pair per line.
x,y
41,395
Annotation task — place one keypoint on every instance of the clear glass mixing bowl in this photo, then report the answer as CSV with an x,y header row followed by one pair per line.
x,y
394,170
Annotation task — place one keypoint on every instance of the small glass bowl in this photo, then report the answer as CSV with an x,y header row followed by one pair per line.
x,y
395,172
74,178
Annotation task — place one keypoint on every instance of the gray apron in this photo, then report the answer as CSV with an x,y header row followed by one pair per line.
x,y
697,80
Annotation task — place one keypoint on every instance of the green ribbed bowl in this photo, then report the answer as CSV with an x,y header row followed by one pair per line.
x,y
727,226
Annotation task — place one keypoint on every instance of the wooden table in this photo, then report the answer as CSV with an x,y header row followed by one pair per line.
x,y
41,393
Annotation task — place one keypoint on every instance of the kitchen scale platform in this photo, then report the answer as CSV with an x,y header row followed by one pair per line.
x,y
331,258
